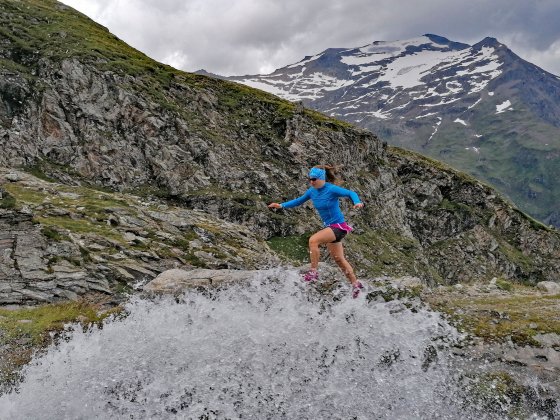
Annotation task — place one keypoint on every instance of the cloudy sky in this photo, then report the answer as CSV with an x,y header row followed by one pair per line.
x,y
239,37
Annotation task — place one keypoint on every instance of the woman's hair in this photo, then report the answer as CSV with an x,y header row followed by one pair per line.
x,y
332,173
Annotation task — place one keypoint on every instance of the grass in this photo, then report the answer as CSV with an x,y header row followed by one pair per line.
x,y
388,252
53,234
45,29
93,209
26,330
25,194
35,323
7,201
519,165
79,226
518,315
291,248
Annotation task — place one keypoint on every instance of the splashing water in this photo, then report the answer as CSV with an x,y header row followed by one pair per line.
x,y
275,348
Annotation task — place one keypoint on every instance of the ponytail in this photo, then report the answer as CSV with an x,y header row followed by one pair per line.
x,y
332,173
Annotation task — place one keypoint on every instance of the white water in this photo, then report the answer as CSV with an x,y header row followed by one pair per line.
x,y
274,349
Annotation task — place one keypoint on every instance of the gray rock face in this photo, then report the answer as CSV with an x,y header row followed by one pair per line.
x,y
76,249
220,152
450,218
175,281
470,107
26,275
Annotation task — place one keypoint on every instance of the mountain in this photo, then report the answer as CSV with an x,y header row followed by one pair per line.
x,y
480,108
115,167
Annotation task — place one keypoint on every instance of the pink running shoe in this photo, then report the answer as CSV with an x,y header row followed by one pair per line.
x,y
356,289
311,276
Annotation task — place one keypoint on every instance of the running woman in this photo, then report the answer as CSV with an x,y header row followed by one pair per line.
x,y
324,193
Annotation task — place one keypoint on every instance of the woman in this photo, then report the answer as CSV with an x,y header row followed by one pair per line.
x,y
324,196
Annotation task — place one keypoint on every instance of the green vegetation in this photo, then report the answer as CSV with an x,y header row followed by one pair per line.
x,y
390,293
53,234
456,207
496,392
386,251
35,323
38,29
79,226
292,248
37,170
516,156
431,163
24,195
504,285
28,329
7,201
519,315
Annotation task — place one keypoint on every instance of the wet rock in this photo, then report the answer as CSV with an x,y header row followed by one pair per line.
x,y
407,282
177,280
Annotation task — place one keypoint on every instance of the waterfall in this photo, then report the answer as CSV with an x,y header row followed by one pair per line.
x,y
274,348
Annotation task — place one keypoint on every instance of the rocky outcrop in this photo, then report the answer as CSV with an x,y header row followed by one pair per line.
x,y
176,280
59,243
203,157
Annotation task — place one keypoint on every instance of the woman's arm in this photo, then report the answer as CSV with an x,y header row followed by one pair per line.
x,y
343,192
292,203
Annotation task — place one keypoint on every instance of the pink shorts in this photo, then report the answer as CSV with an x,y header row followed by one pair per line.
x,y
340,230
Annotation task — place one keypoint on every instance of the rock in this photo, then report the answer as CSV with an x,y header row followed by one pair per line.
x,y
549,287
131,266
13,177
407,282
177,280
548,340
70,196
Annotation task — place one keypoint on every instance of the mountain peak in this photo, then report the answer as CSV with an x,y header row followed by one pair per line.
x,y
437,39
488,42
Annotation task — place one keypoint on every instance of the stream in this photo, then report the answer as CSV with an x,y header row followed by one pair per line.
x,y
275,348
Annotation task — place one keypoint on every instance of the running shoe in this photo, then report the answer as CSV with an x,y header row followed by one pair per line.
x,y
356,289
311,276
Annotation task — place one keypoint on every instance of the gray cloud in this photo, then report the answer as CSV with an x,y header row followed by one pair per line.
x,y
256,36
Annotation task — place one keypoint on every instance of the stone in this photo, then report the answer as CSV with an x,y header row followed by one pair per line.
x,y
407,282
13,177
178,280
138,268
548,340
69,195
549,287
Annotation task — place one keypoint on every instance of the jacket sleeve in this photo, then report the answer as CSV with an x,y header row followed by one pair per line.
x,y
296,201
343,192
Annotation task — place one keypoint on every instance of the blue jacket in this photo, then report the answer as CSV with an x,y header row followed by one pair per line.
x,y
325,200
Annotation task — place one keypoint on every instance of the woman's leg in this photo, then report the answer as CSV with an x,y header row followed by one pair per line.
x,y
324,236
337,253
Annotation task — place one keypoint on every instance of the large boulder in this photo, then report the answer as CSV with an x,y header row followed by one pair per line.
x,y
176,280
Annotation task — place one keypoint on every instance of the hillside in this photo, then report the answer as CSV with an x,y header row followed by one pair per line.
x,y
117,167
480,108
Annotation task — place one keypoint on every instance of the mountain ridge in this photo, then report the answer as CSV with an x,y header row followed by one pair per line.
x,y
480,108
202,157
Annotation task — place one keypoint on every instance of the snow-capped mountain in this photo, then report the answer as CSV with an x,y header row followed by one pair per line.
x,y
479,107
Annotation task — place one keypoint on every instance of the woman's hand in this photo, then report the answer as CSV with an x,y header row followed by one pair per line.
x,y
274,206
359,205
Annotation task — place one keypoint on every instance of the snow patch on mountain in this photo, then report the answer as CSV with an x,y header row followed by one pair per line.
x,y
504,106
436,129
